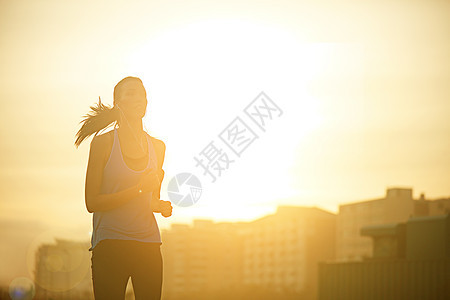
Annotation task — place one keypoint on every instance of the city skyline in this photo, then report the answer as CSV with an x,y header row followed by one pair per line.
x,y
362,87
297,232
31,237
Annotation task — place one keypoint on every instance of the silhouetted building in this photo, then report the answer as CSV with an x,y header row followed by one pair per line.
x,y
398,205
410,261
63,271
282,250
200,259
438,206
279,252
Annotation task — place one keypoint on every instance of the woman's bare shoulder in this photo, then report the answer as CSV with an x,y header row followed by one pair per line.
x,y
104,139
102,144
159,144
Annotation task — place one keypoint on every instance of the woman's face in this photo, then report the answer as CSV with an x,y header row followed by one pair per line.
x,y
133,99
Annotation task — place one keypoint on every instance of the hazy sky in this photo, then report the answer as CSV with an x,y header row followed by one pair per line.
x,y
364,90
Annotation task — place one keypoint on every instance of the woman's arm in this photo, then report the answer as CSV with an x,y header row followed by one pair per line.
x,y
158,205
93,199
160,149
157,193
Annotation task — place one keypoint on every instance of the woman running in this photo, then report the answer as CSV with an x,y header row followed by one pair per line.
x,y
123,184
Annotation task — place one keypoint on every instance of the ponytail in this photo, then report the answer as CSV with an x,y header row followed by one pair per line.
x,y
100,118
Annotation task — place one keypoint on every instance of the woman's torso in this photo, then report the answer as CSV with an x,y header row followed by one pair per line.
x,y
132,154
122,169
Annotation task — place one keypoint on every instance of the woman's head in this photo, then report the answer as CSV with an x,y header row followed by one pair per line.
x,y
130,100
130,97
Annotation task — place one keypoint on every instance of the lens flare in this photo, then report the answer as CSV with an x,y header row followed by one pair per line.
x,y
21,288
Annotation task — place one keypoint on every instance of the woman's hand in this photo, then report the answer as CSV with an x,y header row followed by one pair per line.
x,y
166,208
163,207
150,180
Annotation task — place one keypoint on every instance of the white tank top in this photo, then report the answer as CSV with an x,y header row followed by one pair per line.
x,y
134,220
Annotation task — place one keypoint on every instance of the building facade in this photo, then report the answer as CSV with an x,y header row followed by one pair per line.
x,y
200,259
282,250
396,206
63,271
411,261
279,252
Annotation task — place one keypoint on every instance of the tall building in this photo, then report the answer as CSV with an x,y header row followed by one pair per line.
x,y
411,261
279,251
200,259
438,207
283,250
396,206
63,271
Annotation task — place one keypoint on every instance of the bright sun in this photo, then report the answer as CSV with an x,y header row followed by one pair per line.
x,y
241,56
233,60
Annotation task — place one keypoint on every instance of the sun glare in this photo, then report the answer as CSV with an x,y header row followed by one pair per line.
x,y
232,60
234,57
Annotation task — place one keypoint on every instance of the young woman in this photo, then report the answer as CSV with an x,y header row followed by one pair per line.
x,y
123,183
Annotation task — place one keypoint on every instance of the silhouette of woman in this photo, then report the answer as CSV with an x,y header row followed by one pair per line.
x,y
123,184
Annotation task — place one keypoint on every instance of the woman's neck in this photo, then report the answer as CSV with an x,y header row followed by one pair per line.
x,y
132,131
130,127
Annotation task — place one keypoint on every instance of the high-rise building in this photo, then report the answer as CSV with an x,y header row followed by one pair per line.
x,y
439,207
411,260
396,206
282,250
63,271
279,251
203,258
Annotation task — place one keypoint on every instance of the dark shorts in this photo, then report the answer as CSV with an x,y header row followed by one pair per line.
x,y
114,261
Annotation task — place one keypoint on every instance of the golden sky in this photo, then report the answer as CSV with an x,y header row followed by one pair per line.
x,y
364,89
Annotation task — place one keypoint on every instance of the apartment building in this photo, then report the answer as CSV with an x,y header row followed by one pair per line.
x,y
411,261
280,251
63,271
396,206
200,259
